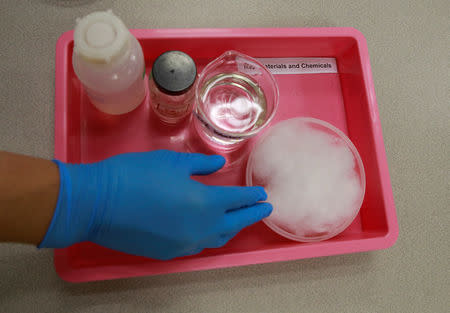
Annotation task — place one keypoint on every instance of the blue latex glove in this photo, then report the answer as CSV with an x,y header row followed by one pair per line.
x,y
147,204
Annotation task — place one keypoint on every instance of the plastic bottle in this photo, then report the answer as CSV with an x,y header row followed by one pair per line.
x,y
109,62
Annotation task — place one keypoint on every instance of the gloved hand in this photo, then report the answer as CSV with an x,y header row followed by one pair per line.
x,y
147,204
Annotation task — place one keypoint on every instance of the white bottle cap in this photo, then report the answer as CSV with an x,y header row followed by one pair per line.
x,y
100,36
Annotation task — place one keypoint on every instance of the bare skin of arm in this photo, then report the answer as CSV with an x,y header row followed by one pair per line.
x,y
28,195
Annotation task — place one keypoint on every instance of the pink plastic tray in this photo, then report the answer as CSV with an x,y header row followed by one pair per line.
x,y
346,100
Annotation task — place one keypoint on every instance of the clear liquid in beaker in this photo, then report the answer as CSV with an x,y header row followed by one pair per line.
x,y
233,105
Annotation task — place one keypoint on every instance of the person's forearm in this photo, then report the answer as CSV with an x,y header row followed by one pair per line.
x,y
28,196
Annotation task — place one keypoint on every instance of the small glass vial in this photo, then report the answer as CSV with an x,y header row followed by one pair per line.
x,y
171,92
109,62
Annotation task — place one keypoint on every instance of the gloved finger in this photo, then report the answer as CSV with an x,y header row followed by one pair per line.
x,y
221,241
230,235
202,164
193,252
236,220
232,197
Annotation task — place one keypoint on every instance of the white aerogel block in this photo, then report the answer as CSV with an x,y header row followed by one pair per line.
x,y
310,177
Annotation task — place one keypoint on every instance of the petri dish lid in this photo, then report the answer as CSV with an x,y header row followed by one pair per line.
x,y
313,175
174,72
100,36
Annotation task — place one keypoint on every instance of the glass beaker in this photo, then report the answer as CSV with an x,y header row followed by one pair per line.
x,y
236,97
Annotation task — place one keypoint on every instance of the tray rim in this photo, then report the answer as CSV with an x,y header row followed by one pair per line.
x,y
245,258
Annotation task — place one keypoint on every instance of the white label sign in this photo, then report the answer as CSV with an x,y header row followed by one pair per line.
x,y
299,65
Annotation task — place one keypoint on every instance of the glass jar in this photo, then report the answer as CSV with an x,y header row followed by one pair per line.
x,y
171,86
